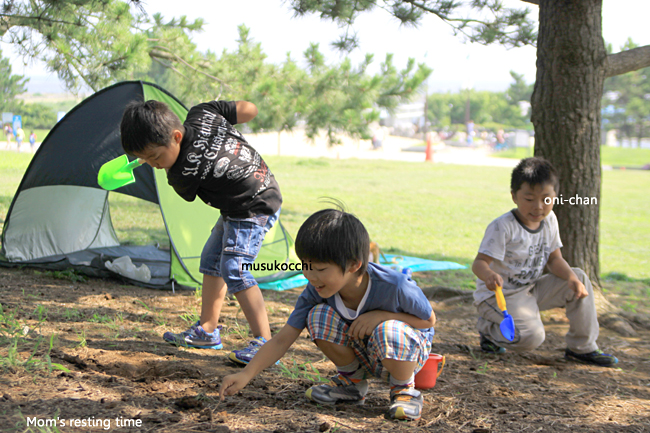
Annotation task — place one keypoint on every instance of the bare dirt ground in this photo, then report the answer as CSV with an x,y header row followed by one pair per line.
x,y
108,336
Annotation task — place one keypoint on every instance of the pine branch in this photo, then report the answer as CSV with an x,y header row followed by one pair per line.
x,y
165,53
627,61
73,62
162,52
170,66
7,19
443,16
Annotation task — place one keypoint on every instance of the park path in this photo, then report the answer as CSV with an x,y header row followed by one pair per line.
x,y
394,149
24,148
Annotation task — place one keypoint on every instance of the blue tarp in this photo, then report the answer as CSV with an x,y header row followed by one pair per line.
x,y
416,264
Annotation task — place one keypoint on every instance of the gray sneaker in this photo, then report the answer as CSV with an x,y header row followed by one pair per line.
x,y
340,389
405,403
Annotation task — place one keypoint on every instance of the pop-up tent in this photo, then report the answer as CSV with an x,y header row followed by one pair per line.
x,y
60,218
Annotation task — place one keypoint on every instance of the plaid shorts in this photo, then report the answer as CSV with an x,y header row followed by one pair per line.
x,y
392,339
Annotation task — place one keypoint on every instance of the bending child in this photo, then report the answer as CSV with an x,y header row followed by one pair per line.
x,y
369,320
516,248
207,157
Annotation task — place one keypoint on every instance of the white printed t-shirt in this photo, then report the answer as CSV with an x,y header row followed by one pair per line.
x,y
520,254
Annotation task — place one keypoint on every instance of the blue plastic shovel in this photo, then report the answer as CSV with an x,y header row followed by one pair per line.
x,y
507,324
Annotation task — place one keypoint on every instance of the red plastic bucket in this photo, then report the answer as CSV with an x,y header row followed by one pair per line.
x,y
426,378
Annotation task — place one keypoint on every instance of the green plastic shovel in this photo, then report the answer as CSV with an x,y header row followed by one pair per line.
x,y
507,324
117,173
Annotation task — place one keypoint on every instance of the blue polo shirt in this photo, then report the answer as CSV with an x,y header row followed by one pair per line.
x,y
390,291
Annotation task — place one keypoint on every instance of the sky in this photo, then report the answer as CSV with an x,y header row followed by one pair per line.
x,y
456,65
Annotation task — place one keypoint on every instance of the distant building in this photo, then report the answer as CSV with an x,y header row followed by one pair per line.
x,y
407,119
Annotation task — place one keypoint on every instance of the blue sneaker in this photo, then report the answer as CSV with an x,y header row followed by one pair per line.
x,y
196,337
245,355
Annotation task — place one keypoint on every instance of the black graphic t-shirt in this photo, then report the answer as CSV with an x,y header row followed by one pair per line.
x,y
217,164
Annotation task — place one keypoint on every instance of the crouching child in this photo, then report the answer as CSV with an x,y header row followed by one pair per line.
x,y
515,250
369,320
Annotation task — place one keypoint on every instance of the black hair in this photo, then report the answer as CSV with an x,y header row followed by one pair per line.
x,y
334,236
534,171
147,122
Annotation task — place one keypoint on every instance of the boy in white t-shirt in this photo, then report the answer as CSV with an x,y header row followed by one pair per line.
x,y
516,248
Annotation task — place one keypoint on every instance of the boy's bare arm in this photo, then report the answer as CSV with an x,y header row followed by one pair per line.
x,y
560,268
268,354
246,111
366,323
481,268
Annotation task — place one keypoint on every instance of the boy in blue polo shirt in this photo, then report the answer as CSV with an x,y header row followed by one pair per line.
x,y
369,320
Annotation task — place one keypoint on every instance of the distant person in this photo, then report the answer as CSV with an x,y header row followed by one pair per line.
x,y
9,132
500,138
470,132
515,250
32,140
20,136
369,320
378,137
207,157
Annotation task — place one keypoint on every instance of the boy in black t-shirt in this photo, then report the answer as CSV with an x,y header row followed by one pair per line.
x,y
207,157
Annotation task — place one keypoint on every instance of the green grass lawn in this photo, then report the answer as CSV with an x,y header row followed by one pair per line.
x,y
427,210
615,156
12,168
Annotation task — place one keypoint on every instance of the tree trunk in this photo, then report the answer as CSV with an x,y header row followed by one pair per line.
x,y
571,59
571,62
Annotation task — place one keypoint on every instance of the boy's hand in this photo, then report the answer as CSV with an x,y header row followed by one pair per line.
x,y
366,323
493,280
481,268
578,288
232,384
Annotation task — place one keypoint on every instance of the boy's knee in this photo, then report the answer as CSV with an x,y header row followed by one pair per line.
x,y
530,340
584,279
320,317
582,275
391,332
236,277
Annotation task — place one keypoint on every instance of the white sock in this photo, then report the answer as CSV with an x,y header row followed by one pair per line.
x,y
352,371
410,382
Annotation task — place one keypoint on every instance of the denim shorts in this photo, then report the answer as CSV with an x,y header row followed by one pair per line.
x,y
233,242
